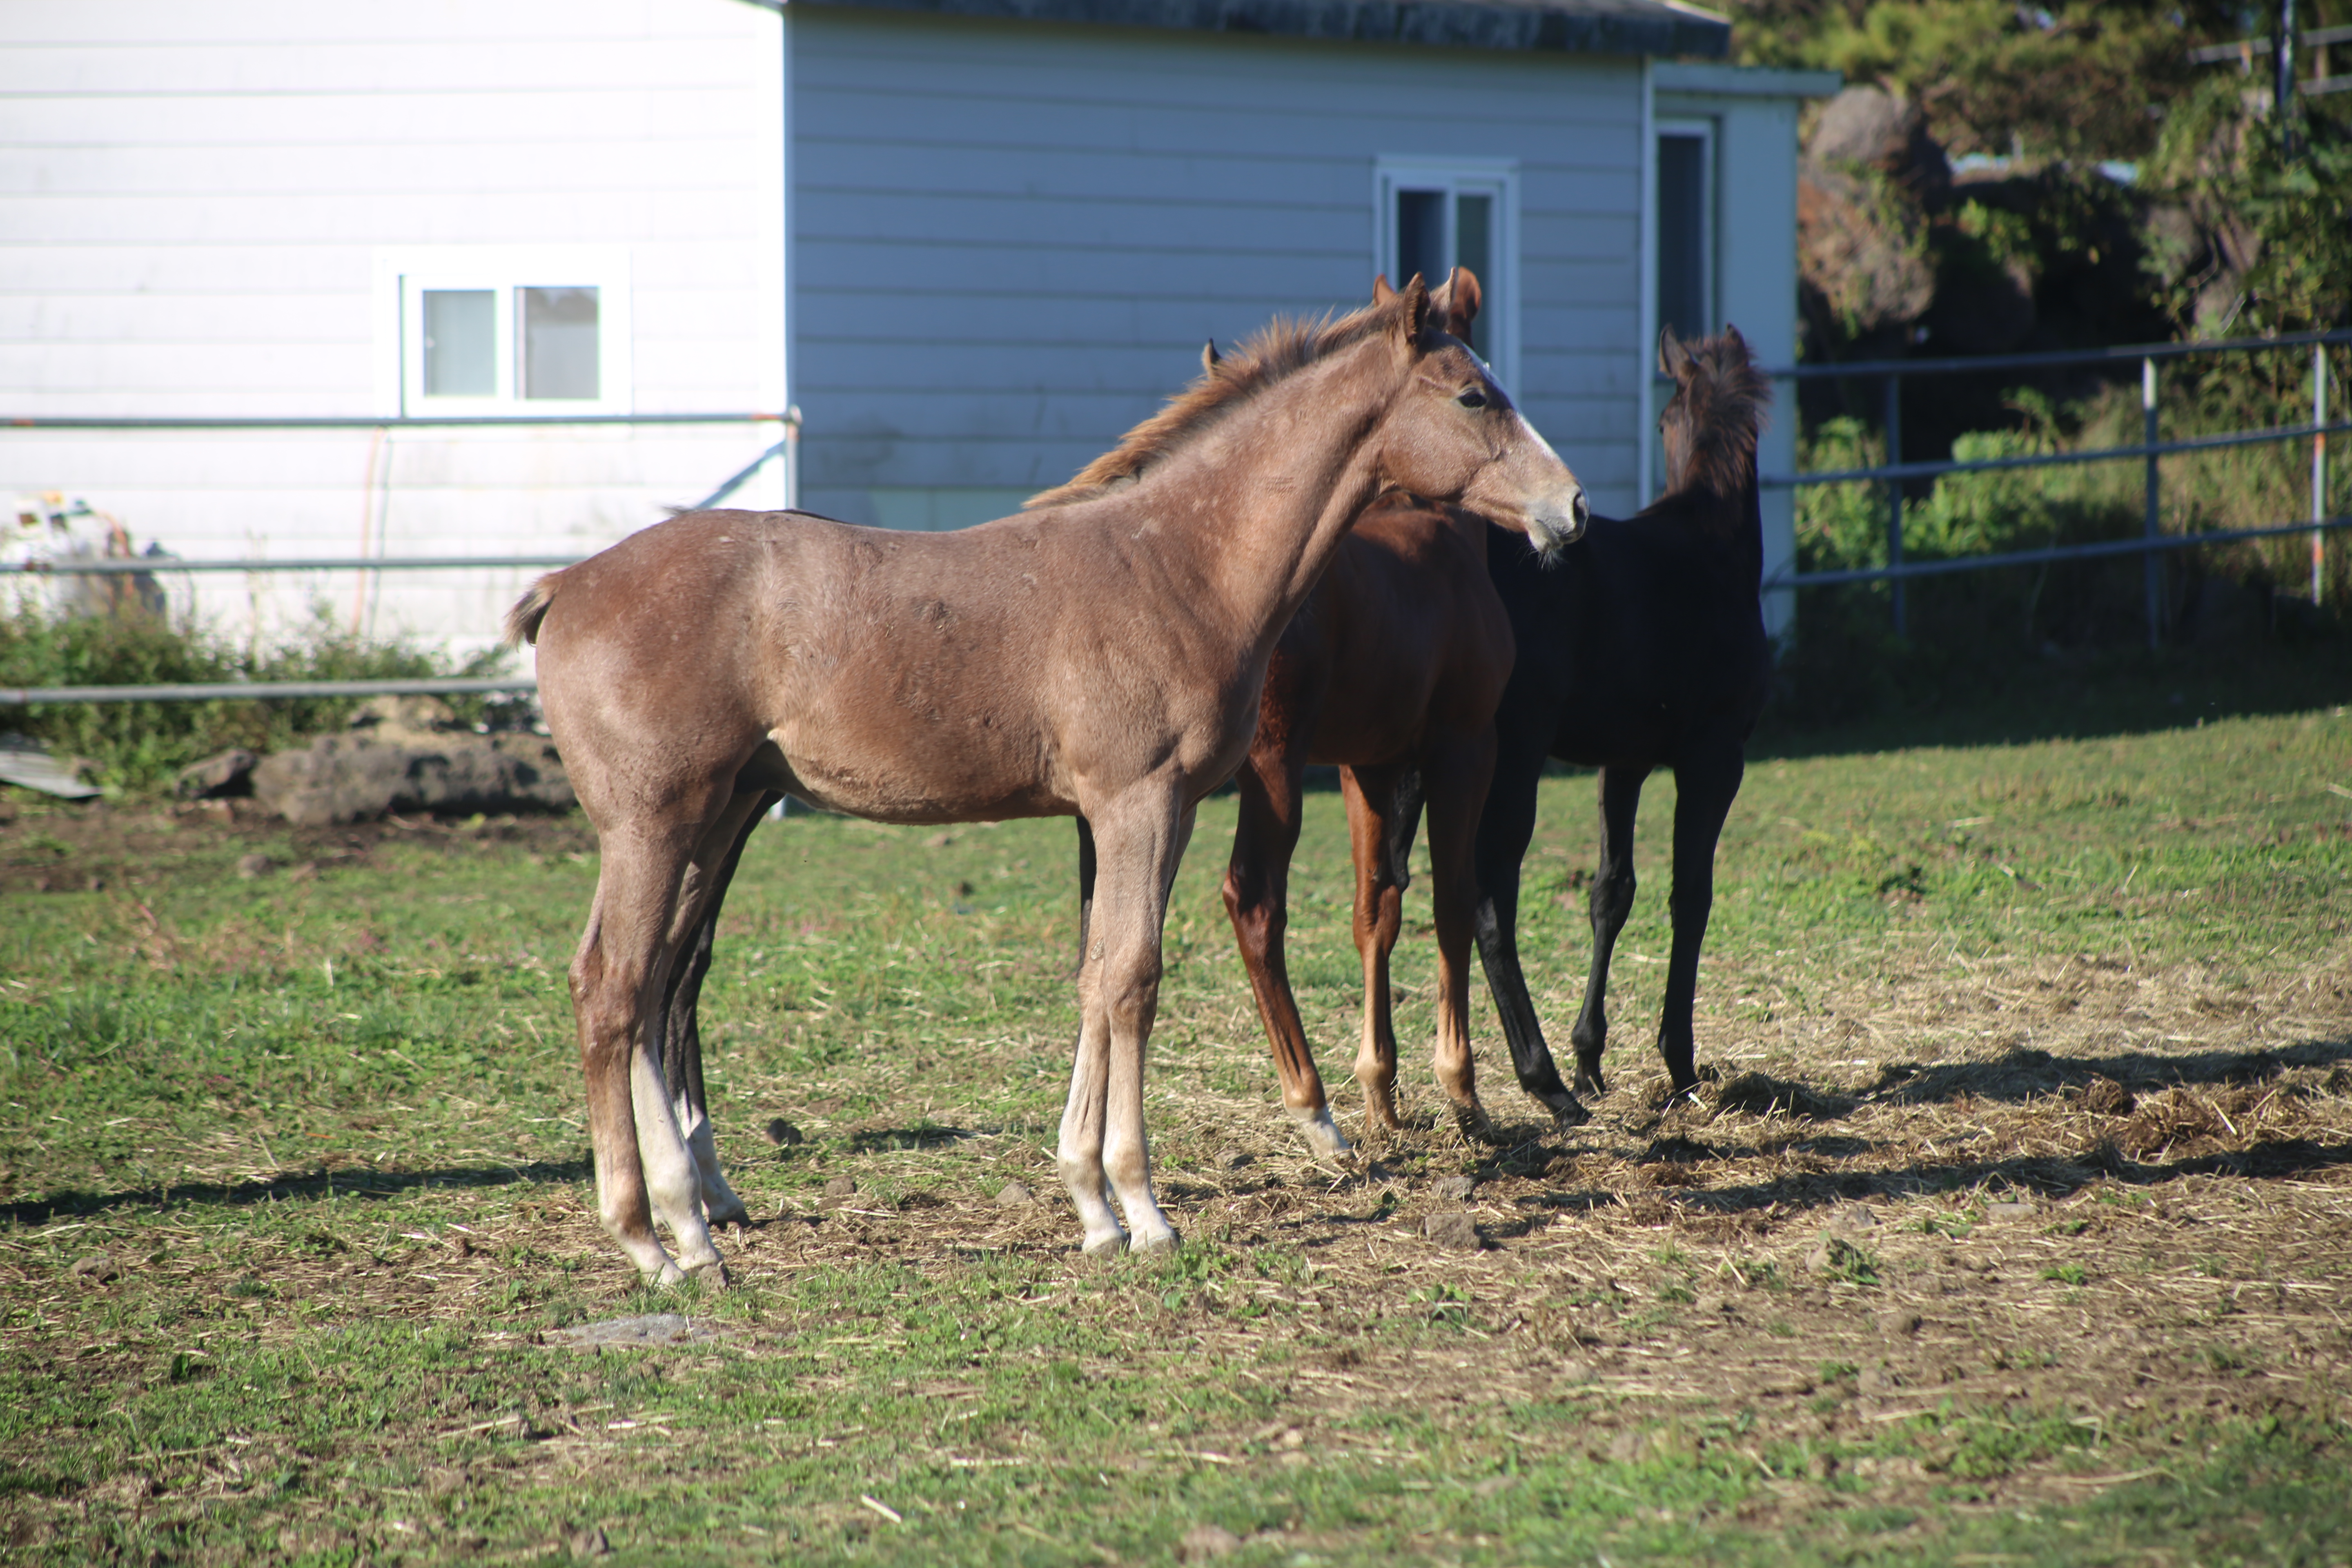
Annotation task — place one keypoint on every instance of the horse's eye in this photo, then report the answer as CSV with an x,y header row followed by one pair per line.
x,y
1471,400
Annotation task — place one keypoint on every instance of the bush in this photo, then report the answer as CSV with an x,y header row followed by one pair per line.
x,y
139,745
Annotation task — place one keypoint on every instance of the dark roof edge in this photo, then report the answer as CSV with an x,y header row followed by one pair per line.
x,y
1659,28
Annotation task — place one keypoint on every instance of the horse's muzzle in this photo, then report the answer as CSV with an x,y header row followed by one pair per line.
x,y
1558,521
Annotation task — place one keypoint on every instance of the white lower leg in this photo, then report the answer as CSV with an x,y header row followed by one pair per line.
x,y
1128,1163
1080,1155
656,1265
1322,1134
673,1178
719,1204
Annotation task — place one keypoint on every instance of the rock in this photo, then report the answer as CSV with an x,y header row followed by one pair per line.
x,y
2009,1208
217,777
1452,1229
354,778
1013,1195
96,1269
650,1329
386,717
257,864
1870,128
1232,1160
837,1192
1862,253
1203,1541
1458,1188
1898,1322
782,1133
588,1543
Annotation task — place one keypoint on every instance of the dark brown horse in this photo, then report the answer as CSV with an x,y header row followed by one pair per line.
x,y
1391,670
1104,662
1641,647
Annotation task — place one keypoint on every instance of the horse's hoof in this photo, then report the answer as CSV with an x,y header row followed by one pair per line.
x,y
667,1276
713,1275
1323,1135
1164,1241
1589,1080
728,1214
1566,1111
1473,1122
1105,1245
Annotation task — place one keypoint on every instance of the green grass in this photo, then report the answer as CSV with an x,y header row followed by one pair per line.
x,y
327,1133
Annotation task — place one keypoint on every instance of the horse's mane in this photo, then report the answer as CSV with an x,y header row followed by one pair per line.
x,y
1725,399
1277,350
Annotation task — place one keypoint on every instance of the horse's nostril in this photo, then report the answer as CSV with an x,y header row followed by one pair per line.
x,y
1581,511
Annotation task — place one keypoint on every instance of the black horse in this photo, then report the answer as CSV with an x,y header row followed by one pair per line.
x,y
1642,647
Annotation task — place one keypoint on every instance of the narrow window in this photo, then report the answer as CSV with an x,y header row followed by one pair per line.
x,y
461,342
559,347
1436,215
1686,240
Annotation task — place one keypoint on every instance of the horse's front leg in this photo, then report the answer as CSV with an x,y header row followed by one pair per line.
x,y
1704,791
1139,839
1504,825
1611,904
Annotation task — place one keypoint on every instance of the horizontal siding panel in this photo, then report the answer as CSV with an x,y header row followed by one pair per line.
x,y
1147,221
517,218
333,168
306,66
842,317
1231,75
1051,273
1493,129
269,23
563,123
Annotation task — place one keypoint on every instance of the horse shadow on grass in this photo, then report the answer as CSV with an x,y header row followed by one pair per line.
x,y
315,1185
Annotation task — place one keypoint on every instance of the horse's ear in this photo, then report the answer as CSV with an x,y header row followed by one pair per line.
x,y
1209,357
1673,357
1381,292
1732,341
1457,303
1414,316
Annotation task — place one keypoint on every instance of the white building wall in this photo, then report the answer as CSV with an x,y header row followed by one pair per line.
x,y
193,201
1011,238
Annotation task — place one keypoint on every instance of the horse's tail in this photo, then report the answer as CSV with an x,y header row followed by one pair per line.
x,y
522,621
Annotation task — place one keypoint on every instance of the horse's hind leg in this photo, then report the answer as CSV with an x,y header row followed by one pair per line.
x,y
1257,900
616,984
1457,769
1373,842
1704,791
1611,902
682,1035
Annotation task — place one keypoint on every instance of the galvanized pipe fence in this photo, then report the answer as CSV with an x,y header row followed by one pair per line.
x,y
787,448
2153,542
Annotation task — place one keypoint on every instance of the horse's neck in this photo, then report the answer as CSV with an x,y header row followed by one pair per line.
x,y
1731,521
1262,499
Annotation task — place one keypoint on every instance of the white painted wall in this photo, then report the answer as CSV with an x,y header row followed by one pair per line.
x,y
192,204
1011,238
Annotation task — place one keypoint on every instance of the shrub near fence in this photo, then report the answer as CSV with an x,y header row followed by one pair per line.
x,y
1963,628
139,745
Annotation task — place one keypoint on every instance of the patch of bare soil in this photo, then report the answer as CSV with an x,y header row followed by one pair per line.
x,y
85,848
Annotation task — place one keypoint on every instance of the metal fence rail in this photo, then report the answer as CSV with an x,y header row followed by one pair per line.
x,y
2152,541
264,690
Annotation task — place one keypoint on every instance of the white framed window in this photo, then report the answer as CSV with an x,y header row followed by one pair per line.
x,y
1433,215
1685,211
512,330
